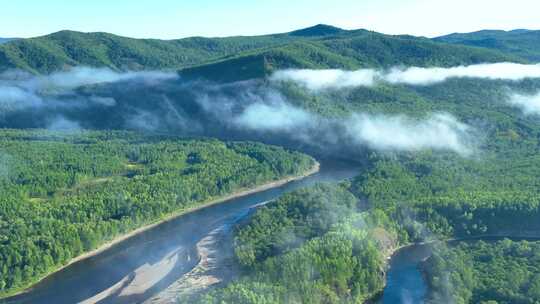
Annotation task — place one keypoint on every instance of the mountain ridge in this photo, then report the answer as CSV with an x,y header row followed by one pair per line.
x,y
319,46
520,42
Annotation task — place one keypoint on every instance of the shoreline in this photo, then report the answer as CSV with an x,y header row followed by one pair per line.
x,y
388,256
212,201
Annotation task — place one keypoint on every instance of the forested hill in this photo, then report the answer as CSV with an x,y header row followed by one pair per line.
x,y
320,46
522,43
65,193
350,50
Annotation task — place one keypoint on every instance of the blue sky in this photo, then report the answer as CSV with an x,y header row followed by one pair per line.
x,y
170,19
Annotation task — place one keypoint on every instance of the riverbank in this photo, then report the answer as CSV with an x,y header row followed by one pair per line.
x,y
215,265
392,253
210,202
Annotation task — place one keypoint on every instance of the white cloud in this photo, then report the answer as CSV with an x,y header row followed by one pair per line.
x,y
325,79
14,98
279,117
337,79
529,104
60,123
81,76
20,90
426,76
438,132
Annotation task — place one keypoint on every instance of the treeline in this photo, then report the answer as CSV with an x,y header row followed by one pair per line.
x,y
333,49
66,193
485,272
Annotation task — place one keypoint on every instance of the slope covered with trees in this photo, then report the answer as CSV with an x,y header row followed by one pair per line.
x,y
318,46
64,194
351,50
310,246
485,272
405,197
522,43
60,50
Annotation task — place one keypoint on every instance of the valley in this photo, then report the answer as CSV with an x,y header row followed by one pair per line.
x,y
127,166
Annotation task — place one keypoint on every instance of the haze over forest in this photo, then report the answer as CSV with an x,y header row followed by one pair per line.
x,y
103,135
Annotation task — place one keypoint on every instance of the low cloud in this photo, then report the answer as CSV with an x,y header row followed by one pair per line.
x,y
15,98
529,104
337,79
20,90
494,71
143,120
83,76
276,117
250,109
440,131
61,123
53,97
326,79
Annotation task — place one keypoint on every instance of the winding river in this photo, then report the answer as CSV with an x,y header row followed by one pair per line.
x,y
136,269
146,264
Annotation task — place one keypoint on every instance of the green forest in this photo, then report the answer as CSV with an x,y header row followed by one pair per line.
x,y
329,243
316,47
492,272
314,245
65,193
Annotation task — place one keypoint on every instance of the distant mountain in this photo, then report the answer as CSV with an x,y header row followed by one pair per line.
x,y
520,42
320,46
4,40
345,50
68,48
318,30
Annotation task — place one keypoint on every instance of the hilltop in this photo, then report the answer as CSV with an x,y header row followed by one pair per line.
x,y
520,42
319,46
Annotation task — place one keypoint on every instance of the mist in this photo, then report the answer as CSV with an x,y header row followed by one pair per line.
x,y
273,117
21,90
492,71
255,110
440,131
81,76
529,104
327,79
336,79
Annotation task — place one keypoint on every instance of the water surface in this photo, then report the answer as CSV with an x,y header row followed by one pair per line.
x,y
168,249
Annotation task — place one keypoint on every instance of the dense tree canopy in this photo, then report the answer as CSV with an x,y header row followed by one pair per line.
x,y
66,193
310,246
309,48
485,272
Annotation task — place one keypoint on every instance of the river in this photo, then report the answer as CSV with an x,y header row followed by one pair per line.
x,y
405,282
143,265
138,268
